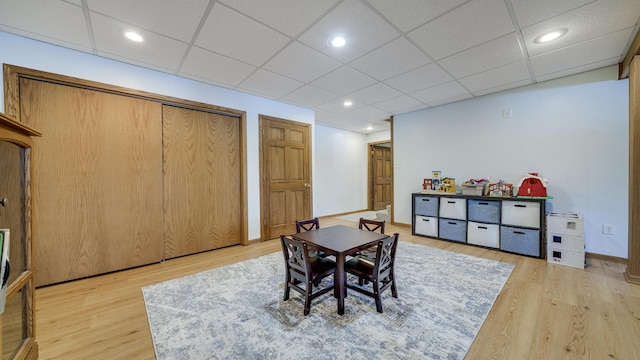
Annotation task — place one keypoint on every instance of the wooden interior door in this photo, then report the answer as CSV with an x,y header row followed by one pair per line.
x,y
202,190
97,180
286,175
381,175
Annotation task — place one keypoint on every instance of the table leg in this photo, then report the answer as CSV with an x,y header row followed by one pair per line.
x,y
340,283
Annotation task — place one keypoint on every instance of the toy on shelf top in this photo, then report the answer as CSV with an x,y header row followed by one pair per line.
x,y
532,185
439,185
500,189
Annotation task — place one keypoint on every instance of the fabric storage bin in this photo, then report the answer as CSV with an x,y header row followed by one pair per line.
x,y
520,241
427,226
566,242
426,205
566,257
486,211
455,230
521,213
483,234
453,208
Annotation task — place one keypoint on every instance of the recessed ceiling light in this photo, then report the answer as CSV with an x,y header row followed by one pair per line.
x,y
134,36
550,36
338,41
369,128
347,103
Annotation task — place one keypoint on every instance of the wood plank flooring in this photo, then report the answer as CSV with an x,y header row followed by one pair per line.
x,y
545,311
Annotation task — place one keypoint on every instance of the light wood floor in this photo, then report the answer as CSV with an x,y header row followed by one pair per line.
x,y
544,311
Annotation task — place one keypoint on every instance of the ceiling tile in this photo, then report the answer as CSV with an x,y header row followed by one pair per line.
x,y
356,120
400,104
288,16
156,50
496,89
269,84
336,106
574,70
592,51
596,19
302,63
323,114
373,94
418,79
445,91
413,13
496,53
171,18
530,12
40,19
501,76
472,24
232,34
362,28
384,62
215,68
453,99
343,81
309,96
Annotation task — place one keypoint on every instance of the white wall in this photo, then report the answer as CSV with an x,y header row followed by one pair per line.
x,y
340,173
16,50
573,131
379,136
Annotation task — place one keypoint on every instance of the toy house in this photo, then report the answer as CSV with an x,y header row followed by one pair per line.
x,y
532,185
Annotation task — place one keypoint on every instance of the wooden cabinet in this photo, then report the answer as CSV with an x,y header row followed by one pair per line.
x,y
513,225
18,318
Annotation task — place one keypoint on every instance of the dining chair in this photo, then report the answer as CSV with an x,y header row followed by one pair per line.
x,y
379,271
302,269
307,225
370,225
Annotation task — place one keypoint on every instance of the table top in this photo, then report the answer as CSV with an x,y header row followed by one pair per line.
x,y
340,238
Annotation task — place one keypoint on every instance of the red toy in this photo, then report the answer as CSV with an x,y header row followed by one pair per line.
x,y
532,185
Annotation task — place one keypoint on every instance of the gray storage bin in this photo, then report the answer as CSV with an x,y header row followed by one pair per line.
x,y
426,205
455,230
520,241
484,211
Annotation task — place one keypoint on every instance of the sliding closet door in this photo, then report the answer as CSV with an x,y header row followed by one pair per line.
x,y
97,180
202,188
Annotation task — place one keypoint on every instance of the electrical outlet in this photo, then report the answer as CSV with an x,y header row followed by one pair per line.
x,y
608,229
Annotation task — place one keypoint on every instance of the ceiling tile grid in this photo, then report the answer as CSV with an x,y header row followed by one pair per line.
x,y
400,56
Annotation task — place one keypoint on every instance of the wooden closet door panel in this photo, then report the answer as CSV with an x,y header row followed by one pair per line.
x,y
202,191
97,180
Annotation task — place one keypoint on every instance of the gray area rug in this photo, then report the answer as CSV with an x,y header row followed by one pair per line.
x,y
237,312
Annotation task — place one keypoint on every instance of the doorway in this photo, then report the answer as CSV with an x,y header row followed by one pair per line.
x,y
380,179
285,175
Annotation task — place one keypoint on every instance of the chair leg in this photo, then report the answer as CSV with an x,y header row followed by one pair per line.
x,y
286,292
394,291
376,295
307,299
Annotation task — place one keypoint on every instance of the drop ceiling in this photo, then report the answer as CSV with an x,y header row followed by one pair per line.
x,y
400,56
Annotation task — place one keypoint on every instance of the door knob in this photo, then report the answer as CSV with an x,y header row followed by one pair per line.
x,y
307,185
3,201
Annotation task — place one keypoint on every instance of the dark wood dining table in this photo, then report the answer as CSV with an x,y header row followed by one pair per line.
x,y
340,241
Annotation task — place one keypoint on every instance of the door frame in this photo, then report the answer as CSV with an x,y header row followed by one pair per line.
x,y
370,197
370,179
264,185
